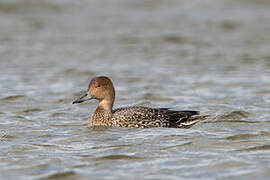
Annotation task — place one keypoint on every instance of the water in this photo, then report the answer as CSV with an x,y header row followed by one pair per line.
x,y
207,55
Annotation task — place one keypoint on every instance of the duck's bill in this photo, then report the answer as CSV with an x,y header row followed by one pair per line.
x,y
85,97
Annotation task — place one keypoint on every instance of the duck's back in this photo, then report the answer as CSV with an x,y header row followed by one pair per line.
x,y
145,117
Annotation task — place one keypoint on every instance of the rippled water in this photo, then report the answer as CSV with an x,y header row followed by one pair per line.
x,y
207,55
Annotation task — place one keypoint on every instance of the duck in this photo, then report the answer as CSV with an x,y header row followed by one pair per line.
x,y
102,89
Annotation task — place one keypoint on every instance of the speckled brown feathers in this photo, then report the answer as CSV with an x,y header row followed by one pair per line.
x,y
145,117
101,88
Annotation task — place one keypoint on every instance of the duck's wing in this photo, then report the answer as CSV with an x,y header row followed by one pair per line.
x,y
180,119
157,117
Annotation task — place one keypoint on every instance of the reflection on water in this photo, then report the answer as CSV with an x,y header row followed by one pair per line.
x,y
211,56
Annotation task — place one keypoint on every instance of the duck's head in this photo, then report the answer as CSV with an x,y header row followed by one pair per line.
x,y
100,88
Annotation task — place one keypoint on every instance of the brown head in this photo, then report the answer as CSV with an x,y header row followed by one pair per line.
x,y
100,88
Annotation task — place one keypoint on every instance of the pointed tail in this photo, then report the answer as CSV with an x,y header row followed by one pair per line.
x,y
192,121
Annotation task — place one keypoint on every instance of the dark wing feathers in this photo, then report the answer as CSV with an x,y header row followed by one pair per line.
x,y
177,117
165,116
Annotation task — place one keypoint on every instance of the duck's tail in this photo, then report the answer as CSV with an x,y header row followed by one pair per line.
x,y
189,122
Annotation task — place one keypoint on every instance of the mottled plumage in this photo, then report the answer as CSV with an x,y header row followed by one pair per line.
x,y
101,88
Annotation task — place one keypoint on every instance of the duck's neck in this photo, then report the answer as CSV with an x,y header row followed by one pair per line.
x,y
106,105
102,114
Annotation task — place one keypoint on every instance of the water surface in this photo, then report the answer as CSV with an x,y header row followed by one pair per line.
x,y
212,56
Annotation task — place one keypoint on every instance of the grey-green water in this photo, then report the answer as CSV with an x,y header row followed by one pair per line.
x,y
207,55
